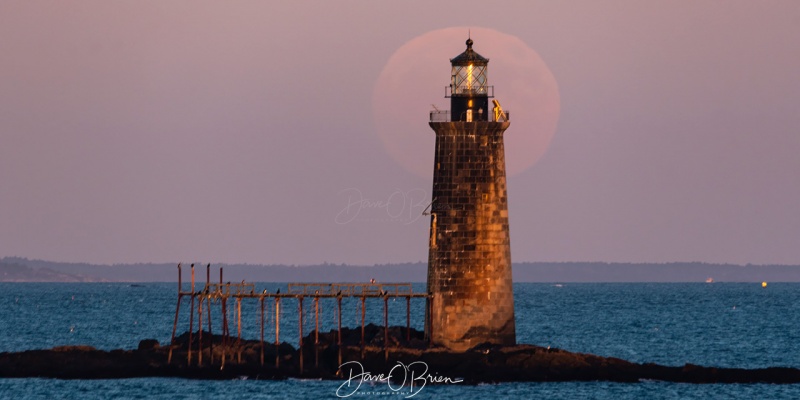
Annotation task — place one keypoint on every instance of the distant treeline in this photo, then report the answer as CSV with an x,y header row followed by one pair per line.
x,y
22,269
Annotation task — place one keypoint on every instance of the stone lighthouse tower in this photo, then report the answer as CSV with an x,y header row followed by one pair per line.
x,y
469,261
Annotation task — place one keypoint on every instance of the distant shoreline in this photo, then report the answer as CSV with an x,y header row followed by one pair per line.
x,y
16,269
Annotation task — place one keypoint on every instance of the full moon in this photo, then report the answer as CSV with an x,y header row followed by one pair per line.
x,y
413,83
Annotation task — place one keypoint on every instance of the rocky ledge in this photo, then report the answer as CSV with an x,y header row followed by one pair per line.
x,y
484,363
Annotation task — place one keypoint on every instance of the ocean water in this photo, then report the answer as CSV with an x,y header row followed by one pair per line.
x,y
720,324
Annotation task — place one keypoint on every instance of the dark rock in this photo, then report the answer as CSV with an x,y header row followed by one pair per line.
x,y
482,363
148,344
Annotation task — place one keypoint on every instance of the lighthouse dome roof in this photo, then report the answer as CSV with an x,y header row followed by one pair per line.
x,y
469,57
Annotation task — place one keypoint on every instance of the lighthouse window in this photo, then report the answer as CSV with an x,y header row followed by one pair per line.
x,y
469,79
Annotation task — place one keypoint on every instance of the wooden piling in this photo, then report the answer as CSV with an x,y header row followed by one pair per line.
x,y
177,311
224,305
408,317
386,327
239,330
191,329
208,299
277,331
200,329
191,323
300,305
339,321
316,330
262,330
225,332
224,327
363,319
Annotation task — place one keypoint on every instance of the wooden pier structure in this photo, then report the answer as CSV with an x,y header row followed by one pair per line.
x,y
222,294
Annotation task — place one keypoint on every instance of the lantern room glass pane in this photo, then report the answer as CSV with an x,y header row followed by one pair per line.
x,y
469,79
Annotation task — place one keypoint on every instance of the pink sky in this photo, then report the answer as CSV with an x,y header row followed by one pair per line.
x,y
237,131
